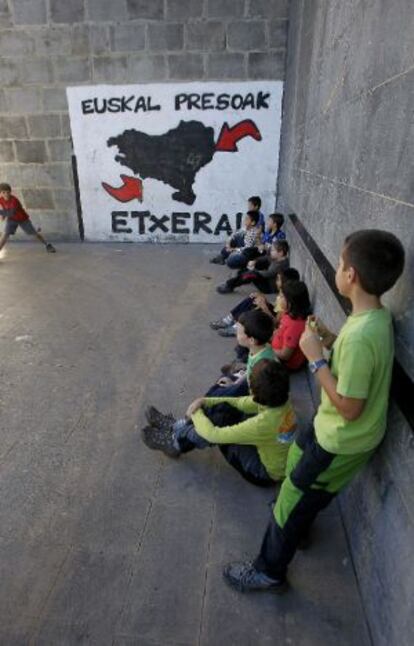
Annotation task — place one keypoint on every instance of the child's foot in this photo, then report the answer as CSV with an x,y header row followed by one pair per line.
x,y
157,419
50,248
224,289
217,260
245,578
228,331
160,440
218,325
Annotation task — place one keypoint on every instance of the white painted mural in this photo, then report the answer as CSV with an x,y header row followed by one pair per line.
x,y
174,161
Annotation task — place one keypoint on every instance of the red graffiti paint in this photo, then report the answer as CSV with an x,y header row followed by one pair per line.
x,y
131,189
229,137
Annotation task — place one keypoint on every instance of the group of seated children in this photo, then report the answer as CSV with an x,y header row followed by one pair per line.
x,y
247,412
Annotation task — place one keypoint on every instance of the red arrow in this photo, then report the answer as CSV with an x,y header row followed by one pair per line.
x,y
131,189
230,136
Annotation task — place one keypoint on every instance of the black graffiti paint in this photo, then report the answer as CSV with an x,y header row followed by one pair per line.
x,y
119,104
173,158
223,101
180,222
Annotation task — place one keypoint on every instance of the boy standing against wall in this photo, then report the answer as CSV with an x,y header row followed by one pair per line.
x,y
351,419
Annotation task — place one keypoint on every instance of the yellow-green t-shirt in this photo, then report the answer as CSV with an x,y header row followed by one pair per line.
x,y
362,363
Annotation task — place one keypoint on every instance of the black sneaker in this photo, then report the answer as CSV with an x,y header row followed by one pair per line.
x,y
159,440
245,578
224,289
158,419
228,331
218,325
217,260
50,248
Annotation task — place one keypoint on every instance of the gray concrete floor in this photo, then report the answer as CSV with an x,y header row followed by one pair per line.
x,y
102,541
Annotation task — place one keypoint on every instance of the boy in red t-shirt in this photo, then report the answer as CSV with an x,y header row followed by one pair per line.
x,y
15,216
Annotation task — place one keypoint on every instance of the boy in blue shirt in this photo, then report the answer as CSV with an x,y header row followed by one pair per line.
x,y
351,419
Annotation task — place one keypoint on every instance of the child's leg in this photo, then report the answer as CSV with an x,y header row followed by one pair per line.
x,y
186,437
299,502
245,305
245,459
240,389
236,261
3,240
29,229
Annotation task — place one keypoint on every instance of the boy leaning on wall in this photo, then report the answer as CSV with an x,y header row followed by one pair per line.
x,y
351,419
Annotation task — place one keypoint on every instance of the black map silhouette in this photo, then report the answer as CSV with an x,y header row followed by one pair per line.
x,y
174,157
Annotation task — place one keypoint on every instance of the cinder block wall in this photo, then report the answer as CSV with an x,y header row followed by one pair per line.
x,y
346,163
46,45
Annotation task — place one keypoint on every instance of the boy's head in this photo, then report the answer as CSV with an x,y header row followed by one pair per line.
x,y
254,203
5,190
295,299
269,383
371,258
251,219
279,250
282,276
276,221
254,328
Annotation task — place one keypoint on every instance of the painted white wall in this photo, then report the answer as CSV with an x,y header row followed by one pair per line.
x,y
221,187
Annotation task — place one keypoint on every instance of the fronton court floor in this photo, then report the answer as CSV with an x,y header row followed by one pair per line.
x,y
102,541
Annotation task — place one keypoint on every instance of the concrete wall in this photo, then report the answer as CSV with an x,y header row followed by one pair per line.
x,y
47,45
346,163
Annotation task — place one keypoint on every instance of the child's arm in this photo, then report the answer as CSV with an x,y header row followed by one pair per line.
x,y
349,407
247,432
284,354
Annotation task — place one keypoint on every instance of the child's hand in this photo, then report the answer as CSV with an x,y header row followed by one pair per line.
x,y
326,336
194,406
310,343
260,302
251,264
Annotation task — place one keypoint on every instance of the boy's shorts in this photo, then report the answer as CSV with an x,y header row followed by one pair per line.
x,y
10,227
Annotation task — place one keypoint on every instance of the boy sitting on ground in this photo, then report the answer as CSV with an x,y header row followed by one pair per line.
x,y
254,331
244,238
264,279
15,216
256,446
351,419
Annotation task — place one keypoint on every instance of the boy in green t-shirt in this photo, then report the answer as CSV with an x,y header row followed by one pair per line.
x,y
351,418
257,444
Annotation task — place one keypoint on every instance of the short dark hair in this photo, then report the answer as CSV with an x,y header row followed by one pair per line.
x,y
289,274
254,216
255,200
269,383
297,298
282,245
258,325
377,257
5,187
278,219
